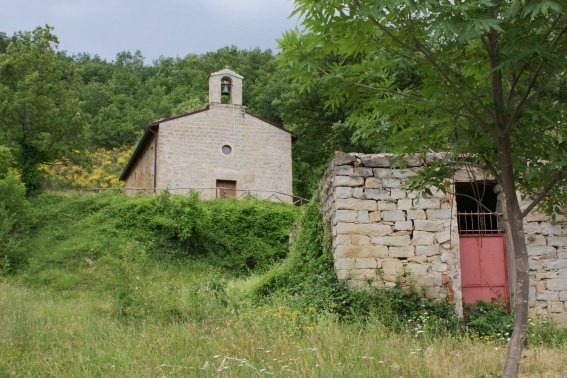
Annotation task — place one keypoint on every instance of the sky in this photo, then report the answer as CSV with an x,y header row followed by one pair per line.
x,y
169,28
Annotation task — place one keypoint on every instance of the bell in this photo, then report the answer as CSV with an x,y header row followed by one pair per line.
x,y
225,89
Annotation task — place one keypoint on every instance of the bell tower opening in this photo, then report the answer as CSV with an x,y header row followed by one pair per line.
x,y
226,86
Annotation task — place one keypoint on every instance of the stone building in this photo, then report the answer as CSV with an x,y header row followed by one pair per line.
x,y
221,151
383,235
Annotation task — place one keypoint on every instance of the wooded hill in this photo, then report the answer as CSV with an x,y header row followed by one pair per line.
x,y
77,117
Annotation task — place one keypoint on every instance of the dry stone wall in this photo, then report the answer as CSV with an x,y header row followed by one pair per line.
x,y
383,234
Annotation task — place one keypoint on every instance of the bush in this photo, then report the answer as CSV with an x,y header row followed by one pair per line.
x,y
15,220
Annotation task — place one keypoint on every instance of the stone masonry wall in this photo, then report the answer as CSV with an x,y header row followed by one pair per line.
x,y
190,153
383,233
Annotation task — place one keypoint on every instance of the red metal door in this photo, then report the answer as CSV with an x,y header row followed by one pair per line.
x,y
483,268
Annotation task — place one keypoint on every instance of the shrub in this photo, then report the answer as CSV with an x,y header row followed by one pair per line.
x,y
15,220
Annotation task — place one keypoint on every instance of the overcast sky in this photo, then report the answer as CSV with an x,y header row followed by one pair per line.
x,y
167,28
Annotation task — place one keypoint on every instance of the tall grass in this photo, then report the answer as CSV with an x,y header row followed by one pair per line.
x,y
50,335
145,305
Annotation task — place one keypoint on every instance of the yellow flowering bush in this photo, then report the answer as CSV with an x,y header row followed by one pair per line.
x,y
101,169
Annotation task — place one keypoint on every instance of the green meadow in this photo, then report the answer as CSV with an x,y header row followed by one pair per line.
x,y
172,286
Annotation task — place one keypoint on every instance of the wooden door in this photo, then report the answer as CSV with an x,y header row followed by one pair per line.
x,y
483,268
226,188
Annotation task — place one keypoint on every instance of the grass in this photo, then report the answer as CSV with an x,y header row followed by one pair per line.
x,y
50,333
128,313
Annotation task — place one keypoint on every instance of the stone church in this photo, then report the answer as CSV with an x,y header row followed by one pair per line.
x,y
222,150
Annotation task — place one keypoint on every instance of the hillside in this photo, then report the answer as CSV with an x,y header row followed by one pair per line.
x,y
175,286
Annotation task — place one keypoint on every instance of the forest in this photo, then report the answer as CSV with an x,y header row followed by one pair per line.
x,y
72,121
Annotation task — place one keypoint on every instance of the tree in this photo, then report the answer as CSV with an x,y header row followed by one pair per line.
x,y
490,82
39,112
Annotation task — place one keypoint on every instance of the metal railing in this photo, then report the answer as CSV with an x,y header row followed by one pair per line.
x,y
213,192
471,222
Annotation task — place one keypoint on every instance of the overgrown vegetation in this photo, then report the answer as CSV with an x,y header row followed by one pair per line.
x,y
113,285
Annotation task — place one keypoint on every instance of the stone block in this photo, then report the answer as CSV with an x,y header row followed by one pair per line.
x,y
360,251
363,274
546,275
373,183
557,284
391,241
348,181
536,216
401,252
433,293
418,269
556,307
562,273
398,193
386,205
344,264
405,204
391,183
417,259
393,268
557,241
430,157
342,240
343,192
377,194
393,215
430,250
359,239
422,238
426,203
553,264
355,204
358,192
383,172
430,225
443,237
376,161
532,228
535,264
550,228
416,214
370,229
403,226
342,158
563,296
424,281
541,251
414,161
375,216
363,216
348,216
363,172
343,274
439,214
365,263
343,170
547,295
535,239
404,173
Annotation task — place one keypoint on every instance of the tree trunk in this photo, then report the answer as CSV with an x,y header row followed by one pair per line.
x,y
515,235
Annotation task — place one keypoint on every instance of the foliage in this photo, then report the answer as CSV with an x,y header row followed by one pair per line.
x,y
246,234
100,169
490,321
39,115
15,219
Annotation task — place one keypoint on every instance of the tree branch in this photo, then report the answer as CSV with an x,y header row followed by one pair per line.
x,y
559,175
